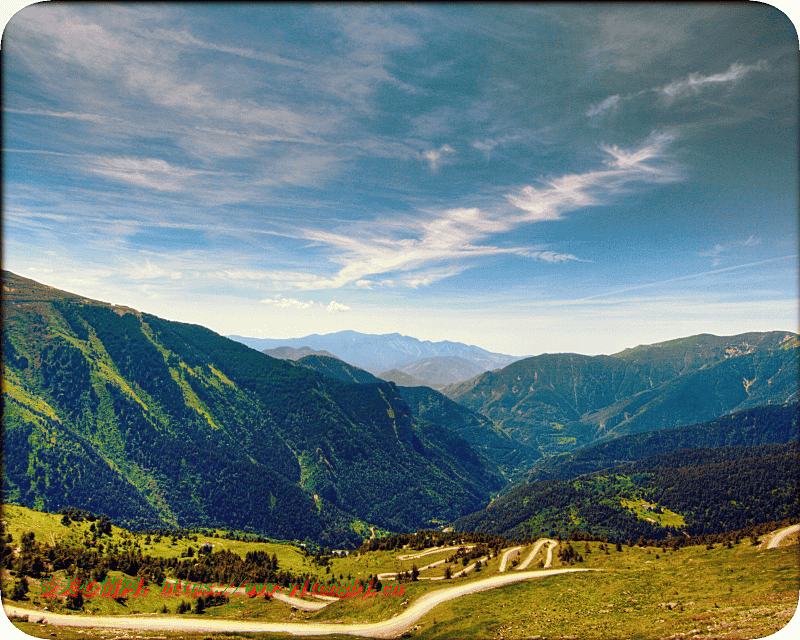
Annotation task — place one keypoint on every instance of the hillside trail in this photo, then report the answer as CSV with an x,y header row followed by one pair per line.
x,y
390,628
778,536
428,552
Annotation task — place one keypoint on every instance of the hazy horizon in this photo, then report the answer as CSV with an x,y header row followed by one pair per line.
x,y
525,178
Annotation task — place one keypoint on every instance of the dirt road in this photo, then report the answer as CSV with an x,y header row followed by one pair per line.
x,y
533,553
507,556
780,535
385,629
283,597
428,552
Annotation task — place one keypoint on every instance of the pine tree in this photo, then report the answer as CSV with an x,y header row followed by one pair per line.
x,y
20,589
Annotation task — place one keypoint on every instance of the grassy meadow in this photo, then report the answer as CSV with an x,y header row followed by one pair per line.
x,y
745,591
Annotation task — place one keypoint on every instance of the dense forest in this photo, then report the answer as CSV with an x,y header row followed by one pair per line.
x,y
703,491
746,428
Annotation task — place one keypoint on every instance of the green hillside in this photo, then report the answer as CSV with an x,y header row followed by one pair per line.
x,y
152,421
771,424
693,492
339,369
560,402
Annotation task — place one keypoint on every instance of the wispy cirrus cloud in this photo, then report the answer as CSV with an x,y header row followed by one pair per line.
x,y
718,252
691,85
648,163
445,243
695,81
488,144
601,107
153,173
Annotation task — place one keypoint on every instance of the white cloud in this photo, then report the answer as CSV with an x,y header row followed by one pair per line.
x,y
573,191
718,251
694,82
454,236
691,85
301,305
153,173
90,117
288,302
487,144
434,156
335,307
599,109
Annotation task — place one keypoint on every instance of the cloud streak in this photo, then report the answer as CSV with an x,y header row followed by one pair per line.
x,y
456,236
691,276
691,85
434,156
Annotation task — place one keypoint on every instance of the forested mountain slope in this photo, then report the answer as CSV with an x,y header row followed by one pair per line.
x,y
558,402
149,421
430,406
772,424
339,369
697,491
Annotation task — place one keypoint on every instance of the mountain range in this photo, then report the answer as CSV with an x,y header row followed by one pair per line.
x,y
380,353
727,474
559,402
160,423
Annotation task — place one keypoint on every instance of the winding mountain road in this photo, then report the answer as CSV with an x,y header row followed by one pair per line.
x,y
532,554
507,556
390,628
428,552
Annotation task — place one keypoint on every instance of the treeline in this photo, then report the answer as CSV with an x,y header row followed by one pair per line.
x,y
751,533
37,560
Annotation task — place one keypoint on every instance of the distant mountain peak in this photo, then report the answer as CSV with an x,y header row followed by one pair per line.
x,y
377,353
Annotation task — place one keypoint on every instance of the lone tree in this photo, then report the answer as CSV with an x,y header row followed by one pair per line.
x,y
414,573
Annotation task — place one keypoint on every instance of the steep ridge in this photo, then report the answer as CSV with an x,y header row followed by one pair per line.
x,y
440,371
290,353
558,402
154,421
775,424
430,406
335,368
401,378
485,437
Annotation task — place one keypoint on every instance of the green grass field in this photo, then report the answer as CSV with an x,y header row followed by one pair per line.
x,y
737,593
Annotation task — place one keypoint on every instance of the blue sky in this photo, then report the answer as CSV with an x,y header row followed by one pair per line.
x,y
527,178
